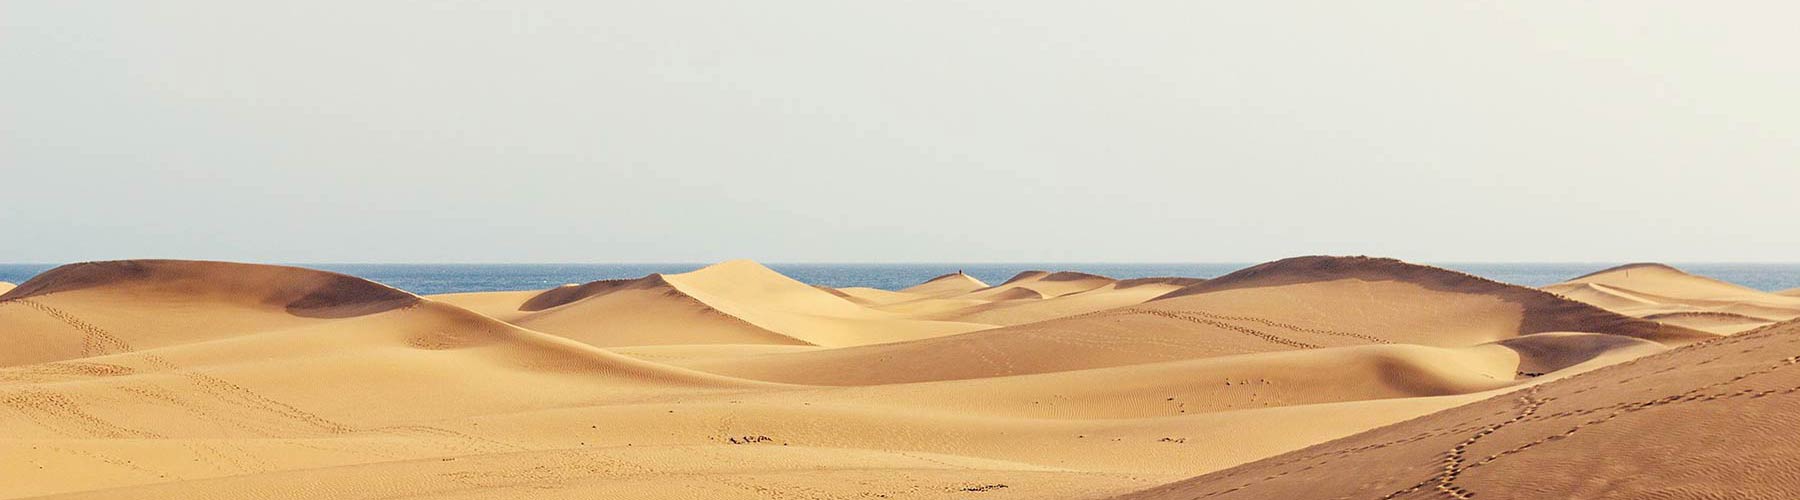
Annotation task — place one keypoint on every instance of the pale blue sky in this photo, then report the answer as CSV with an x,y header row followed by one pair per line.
x,y
791,131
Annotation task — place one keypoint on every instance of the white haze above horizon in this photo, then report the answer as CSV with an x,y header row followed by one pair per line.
x,y
933,131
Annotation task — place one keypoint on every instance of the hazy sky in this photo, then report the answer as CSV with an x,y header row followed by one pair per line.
x,y
827,130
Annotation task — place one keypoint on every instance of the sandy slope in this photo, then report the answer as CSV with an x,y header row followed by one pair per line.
x,y
1671,296
171,379
4,286
1791,292
1713,420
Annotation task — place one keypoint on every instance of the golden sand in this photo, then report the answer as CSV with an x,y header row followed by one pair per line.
x,y
1313,377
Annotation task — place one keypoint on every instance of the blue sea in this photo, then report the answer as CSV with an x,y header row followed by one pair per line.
x,y
447,278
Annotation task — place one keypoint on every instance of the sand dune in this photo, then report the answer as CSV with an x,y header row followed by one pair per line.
x,y
1449,299
1291,378
1300,303
1017,305
738,302
1627,431
175,379
1042,284
4,286
1668,295
716,305
1005,310
173,302
1791,292
646,311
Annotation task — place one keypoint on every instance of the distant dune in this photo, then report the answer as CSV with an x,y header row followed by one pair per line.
x,y
1302,303
1537,311
737,302
1668,295
210,380
4,286
955,283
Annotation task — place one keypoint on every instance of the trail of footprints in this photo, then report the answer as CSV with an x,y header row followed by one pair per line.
x,y
95,341
1225,322
1444,482
1455,462
1267,322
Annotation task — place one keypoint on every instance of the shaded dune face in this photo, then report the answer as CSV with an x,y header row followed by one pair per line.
x,y
1626,431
